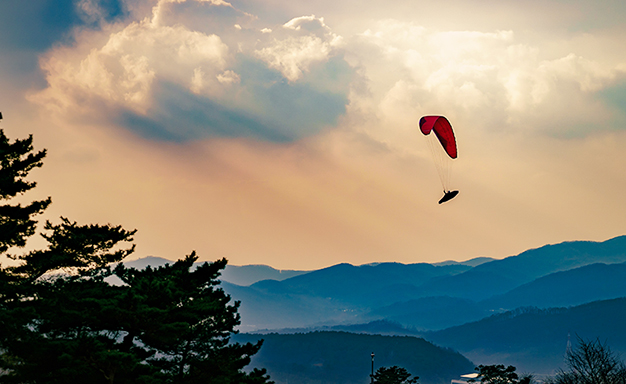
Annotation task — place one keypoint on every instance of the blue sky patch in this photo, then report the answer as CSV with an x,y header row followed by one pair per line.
x,y
29,28
616,96
36,25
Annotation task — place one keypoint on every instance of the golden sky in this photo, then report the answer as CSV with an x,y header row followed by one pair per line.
x,y
285,132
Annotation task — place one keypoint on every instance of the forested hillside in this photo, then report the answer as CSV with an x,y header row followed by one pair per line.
x,y
341,357
534,339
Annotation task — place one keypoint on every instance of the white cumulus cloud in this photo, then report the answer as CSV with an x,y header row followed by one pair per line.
x,y
122,70
293,55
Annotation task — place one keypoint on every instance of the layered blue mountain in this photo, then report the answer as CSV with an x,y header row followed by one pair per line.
x,y
561,289
297,302
339,294
500,276
431,313
426,296
577,286
265,310
362,285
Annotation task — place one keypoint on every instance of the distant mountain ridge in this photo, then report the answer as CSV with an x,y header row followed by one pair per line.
x,y
246,275
577,286
506,274
241,275
249,274
358,284
561,289
470,263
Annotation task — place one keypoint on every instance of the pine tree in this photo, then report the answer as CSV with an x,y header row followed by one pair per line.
x,y
499,374
17,222
393,375
63,321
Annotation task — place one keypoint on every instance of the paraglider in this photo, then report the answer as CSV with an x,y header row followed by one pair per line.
x,y
443,149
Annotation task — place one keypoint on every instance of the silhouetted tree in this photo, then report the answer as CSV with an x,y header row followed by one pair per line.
x,y
591,362
62,321
393,375
17,159
499,374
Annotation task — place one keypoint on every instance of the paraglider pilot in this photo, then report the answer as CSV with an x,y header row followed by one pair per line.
x,y
448,195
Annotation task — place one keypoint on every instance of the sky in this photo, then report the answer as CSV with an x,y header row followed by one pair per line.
x,y
284,132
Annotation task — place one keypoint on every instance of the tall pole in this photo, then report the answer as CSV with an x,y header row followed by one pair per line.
x,y
372,375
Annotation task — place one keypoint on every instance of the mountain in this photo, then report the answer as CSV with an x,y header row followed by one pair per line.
x,y
376,327
141,263
266,310
535,340
250,274
499,276
577,286
470,263
345,358
431,313
518,311
561,289
341,294
240,275
362,285
151,261
426,296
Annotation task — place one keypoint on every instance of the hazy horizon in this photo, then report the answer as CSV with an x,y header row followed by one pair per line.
x,y
132,258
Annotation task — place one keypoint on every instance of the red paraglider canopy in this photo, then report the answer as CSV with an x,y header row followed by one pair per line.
x,y
442,128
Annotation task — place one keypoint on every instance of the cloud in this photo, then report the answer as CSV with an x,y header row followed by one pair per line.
x,y
122,71
273,110
278,76
166,79
489,81
293,55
